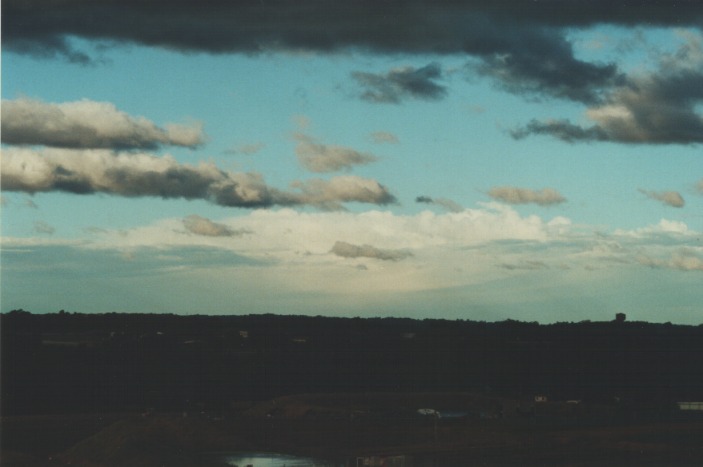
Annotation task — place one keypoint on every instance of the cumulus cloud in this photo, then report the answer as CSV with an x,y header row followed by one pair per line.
x,y
669,198
318,157
515,195
384,137
141,174
88,124
348,250
400,83
203,226
652,108
447,204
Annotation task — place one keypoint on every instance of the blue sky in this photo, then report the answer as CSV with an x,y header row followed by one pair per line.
x,y
462,162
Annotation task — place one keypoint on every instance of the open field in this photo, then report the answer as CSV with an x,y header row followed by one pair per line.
x,y
321,426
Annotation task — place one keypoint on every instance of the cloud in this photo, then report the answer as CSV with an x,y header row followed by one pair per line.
x,y
203,226
522,49
669,198
141,174
318,157
88,124
685,259
401,83
515,195
653,108
43,228
448,204
246,149
347,250
381,137
329,194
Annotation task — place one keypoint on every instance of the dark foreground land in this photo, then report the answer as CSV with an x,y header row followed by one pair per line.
x,y
143,390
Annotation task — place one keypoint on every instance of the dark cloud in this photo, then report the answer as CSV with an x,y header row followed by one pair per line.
x,y
318,157
515,195
219,26
561,129
138,174
669,198
348,250
88,124
654,108
401,83
447,204
203,226
521,45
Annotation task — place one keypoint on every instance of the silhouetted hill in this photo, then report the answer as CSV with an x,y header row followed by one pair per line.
x,y
68,362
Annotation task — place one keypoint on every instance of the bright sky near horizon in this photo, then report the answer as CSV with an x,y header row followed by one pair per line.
x,y
536,161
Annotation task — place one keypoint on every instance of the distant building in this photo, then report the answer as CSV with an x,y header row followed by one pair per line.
x,y
620,317
690,406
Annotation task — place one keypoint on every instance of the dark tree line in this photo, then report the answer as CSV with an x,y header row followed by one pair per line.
x,y
66,362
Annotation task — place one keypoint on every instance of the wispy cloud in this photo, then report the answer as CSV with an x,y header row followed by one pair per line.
x,y
43,228
203,226
669,198
382,137
401,83
140,174
318,157
515,195
348,250
88,124
246,149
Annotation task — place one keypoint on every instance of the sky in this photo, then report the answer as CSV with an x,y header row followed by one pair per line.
x,y
537,161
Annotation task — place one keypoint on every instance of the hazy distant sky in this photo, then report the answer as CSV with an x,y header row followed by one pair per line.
x,y
540,161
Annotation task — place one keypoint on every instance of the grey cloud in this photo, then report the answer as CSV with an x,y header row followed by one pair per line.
x,y
384,137
330,194
203,226
138,174
560,129
318,157
515,195
670,198
657,108
221,26
348,250
88,124
522,48
400,83
528,265
44,228
447,204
